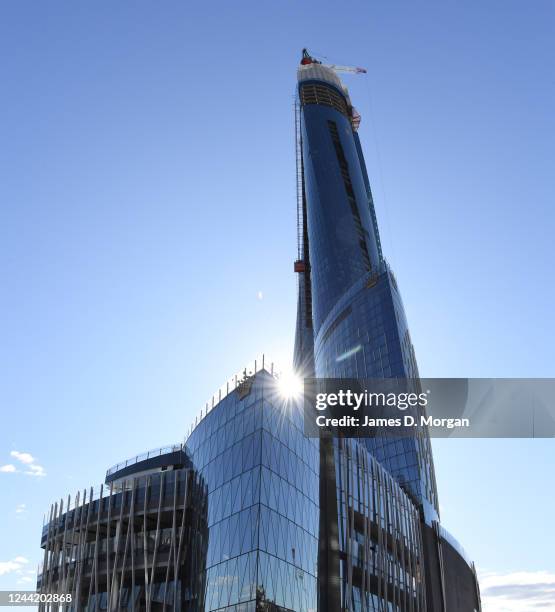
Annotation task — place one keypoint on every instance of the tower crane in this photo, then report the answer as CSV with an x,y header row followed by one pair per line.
x,y
308,59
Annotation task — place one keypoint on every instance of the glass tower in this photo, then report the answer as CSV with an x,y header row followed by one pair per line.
x,y
355,325
351,321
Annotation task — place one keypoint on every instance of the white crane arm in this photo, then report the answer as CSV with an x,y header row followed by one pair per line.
x,y
353,69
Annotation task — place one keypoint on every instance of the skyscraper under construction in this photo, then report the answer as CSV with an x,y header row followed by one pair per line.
x,y
351,324
249,514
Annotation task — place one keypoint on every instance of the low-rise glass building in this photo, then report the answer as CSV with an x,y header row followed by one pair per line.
x,y
261,474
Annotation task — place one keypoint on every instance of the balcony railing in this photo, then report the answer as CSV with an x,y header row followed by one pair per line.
x,y
156,452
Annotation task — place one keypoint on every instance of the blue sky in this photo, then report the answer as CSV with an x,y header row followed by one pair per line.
x,y
147,202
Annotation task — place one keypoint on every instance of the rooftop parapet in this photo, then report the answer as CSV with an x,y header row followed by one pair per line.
x,y
260,363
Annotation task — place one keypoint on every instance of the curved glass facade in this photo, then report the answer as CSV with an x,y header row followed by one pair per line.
x,y
262,478
358,319
366,336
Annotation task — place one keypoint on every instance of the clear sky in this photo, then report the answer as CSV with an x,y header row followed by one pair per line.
x,y
147,232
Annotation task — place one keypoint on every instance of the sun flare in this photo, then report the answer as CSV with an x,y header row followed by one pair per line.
x,y
290,384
